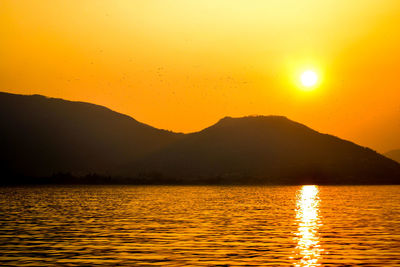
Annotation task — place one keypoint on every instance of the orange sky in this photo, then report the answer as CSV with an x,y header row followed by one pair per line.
x,y
182,65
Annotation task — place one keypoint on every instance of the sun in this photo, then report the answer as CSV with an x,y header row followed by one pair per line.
x,y
309,78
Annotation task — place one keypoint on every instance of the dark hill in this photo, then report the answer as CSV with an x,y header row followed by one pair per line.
x,y
41,136
394,155
269,149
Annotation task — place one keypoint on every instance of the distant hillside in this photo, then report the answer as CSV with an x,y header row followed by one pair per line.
x,y
394,155
42,136
269,150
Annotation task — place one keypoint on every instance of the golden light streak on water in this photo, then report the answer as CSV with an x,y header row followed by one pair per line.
x,y
200,226
308,250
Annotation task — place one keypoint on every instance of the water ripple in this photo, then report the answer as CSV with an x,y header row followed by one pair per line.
x,y
201,226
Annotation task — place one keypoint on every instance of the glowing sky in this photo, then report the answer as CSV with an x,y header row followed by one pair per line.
x,y
182,65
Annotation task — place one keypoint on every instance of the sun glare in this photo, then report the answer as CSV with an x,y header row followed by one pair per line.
x,y
309,78
308,250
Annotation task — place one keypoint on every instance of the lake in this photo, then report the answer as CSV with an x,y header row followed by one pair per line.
x,y
200,225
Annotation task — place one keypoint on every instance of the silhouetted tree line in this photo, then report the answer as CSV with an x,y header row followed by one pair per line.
x,y
157,178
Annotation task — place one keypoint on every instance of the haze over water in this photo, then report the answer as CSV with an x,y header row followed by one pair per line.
x,y
200,225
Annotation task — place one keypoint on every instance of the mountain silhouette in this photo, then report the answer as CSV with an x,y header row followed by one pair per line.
x,y
269,149
394,155
43,136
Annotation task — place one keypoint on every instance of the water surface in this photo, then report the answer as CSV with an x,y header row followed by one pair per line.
x,y
202,226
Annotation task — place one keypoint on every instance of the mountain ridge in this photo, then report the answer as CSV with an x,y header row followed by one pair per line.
x,y
269,149
393,154
55,135
71,136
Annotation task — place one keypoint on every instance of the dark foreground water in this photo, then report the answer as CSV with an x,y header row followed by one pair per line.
x,y
205,225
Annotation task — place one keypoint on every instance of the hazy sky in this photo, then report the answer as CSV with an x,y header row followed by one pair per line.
x,y
182,65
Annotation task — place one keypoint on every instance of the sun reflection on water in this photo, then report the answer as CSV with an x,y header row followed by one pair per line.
x,y
308,250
